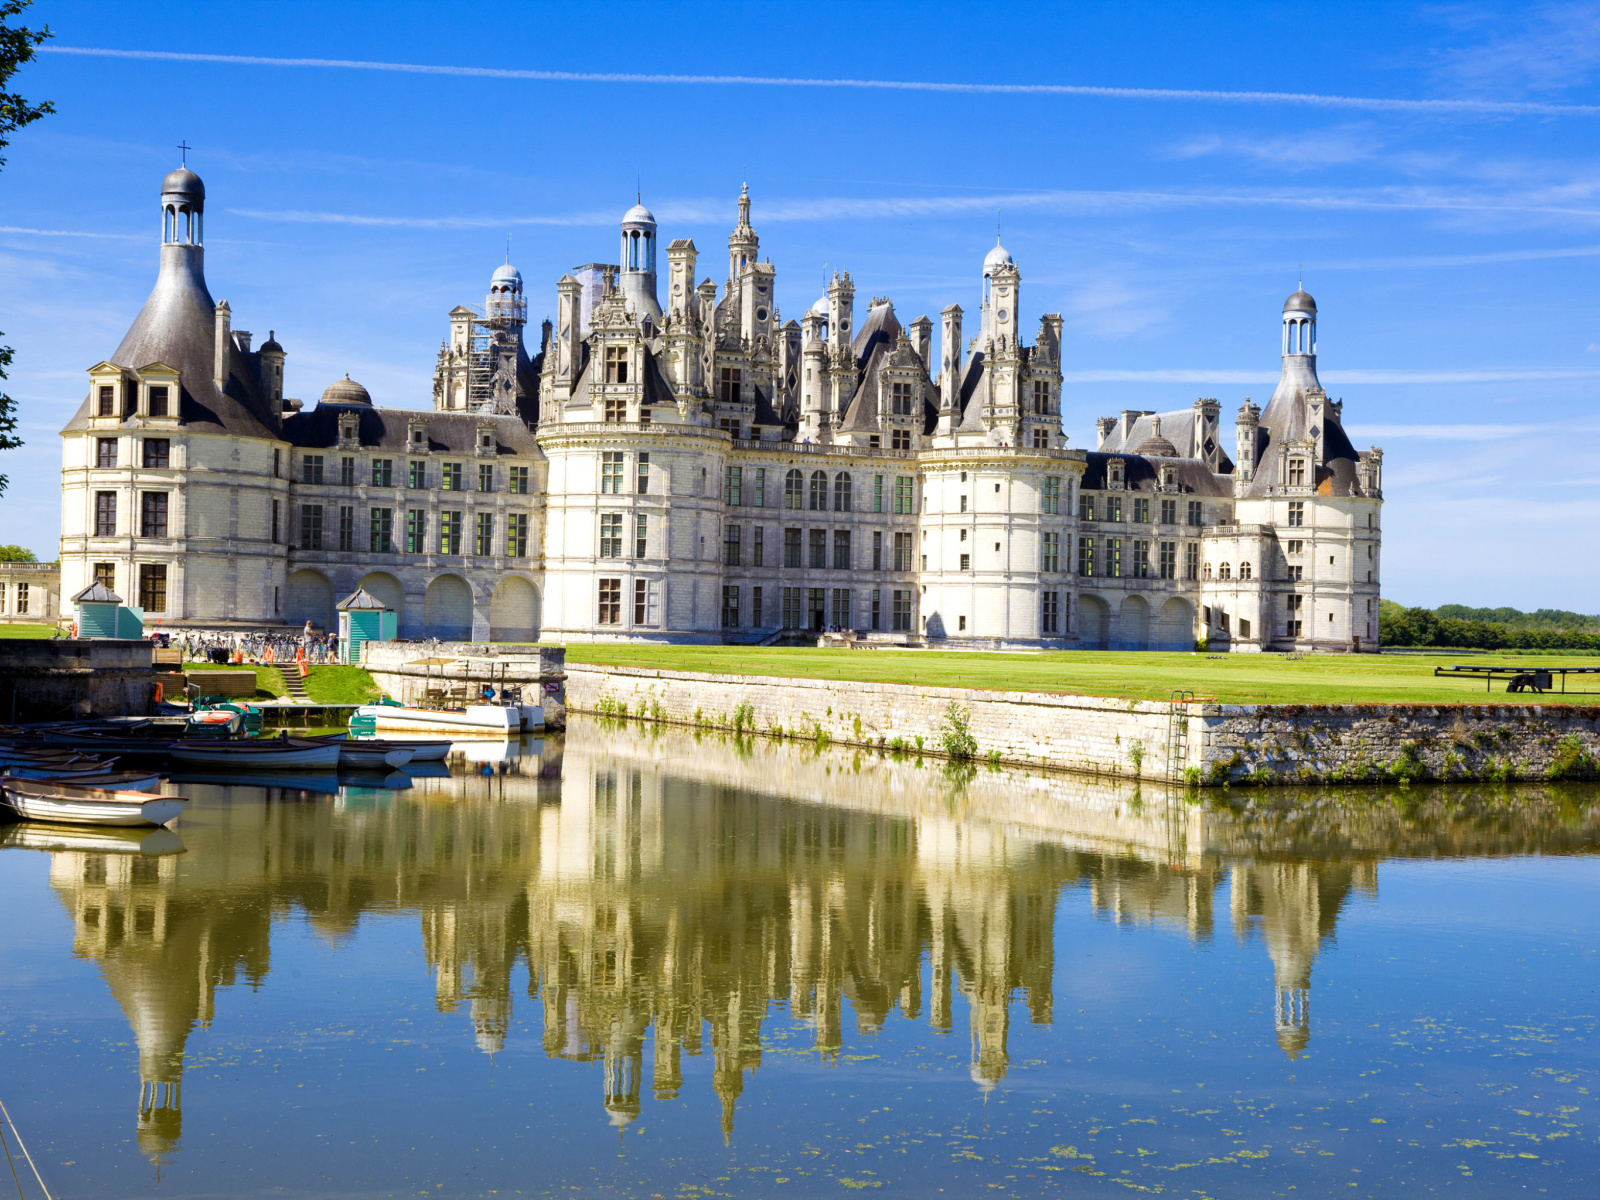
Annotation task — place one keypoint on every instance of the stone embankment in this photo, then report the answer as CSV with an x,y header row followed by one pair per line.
x,y
50,680
1203,744
405,671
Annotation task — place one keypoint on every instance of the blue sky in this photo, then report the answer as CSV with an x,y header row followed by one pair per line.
x,y
1452,247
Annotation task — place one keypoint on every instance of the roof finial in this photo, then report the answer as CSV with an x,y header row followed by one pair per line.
x,y
184,149
508,249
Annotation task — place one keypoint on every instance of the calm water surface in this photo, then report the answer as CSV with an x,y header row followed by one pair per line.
x,y
639,964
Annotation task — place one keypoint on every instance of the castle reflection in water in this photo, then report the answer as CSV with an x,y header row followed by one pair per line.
x,y
664,892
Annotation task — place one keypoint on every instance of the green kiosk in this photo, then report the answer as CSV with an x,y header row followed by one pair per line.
x,y
102,614
363,618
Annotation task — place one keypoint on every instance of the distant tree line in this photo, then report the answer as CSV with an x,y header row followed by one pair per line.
x,y
1459,627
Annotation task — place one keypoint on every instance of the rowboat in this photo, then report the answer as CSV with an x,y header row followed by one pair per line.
x,y
215,722
373,754
422,749
117,781
46,769
277,754
62,804
493,719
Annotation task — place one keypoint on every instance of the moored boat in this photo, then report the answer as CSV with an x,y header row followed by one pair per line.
x,y
494,719
62,804
276,754
372,754
117,781
422,749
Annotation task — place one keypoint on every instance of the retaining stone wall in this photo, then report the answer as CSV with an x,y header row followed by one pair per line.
x,y
530,667
1215,743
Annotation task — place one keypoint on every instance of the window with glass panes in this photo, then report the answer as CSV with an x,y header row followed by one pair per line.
x,y
755,607
611,466
877,493
730,546
901,615
1052,552
610,602
153,587
1169,512
819,549
347,527
791,547
877,609
485,477
817,498
1141,559
1050,618
450,477
841,549
311,527
728,385
416,474
757,551
449,533
1169,560
516,535
1114,557
105,574
840,617
793,489
153,515
730,605
1052,494
642,475
1086,556
1191,560
485,538
641,535
347,471
1041,397
904,495
311,469
381,530
610,535
105,452
733,485
517,480
902,551
842,492
1297,512
1085,507
641,593
900,439
1113,508
877,550
758,487
416,531
1195,513
792,609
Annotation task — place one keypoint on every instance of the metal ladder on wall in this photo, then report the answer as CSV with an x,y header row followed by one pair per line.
x,y
1178,736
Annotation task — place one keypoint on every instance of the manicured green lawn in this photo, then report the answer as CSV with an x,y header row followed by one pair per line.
x,y
17,630
340,685
1233,678
268,685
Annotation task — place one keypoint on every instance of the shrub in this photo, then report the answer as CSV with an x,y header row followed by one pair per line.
x,y
955,733
1136,754
1573,761
744,716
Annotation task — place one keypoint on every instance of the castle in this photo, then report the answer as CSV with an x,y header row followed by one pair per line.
x,y
704,471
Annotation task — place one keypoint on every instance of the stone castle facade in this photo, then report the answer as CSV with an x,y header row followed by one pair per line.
x,y
704,471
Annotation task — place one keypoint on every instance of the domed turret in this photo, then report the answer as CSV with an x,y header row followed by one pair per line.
x,y
183,204
1301,301
638,280
346,391
998,257
506,298
821,307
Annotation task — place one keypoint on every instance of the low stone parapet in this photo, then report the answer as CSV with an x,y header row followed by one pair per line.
x,y
59,679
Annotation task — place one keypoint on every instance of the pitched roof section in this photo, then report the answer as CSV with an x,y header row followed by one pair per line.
x,y
1289,418
386,429
1142,473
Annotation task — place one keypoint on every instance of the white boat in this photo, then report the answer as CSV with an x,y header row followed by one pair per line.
x,y
275,754
495,719
422,749
64,805
372,754
116,781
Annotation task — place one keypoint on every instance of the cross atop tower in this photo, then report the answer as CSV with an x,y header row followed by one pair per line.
x,y
184,148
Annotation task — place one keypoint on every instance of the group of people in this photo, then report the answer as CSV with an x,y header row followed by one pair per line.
x,y
309,646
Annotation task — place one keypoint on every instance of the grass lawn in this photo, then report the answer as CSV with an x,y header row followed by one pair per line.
x,y
340,685
268,685
10,629
1233,678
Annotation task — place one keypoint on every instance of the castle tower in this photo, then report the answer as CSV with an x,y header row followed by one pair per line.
x,y
1298,375
996,262
814,384
742,243
639,263
1247,426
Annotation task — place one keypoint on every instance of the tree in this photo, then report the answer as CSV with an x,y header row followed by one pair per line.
x,y
16,554
17,44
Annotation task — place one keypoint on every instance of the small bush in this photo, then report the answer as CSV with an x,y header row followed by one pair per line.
x,y
744,716
955,733
1573,761
1136,754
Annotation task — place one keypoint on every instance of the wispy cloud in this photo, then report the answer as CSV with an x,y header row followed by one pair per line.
x,y
1440,107
1539,49
66,233
1302,151
1446,433
1347,376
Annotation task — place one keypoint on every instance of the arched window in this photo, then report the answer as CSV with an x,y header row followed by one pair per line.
x,y
1206,574
819,492
793,486
1224,571
1244,570
841,492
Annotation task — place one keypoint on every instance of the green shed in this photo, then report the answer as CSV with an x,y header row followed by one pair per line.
x,y
98,609
363,618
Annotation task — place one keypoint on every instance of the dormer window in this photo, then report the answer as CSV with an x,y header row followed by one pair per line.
x,y
1297,472
347,429
486,441
107,404
1114,472
159,402
616,364
900,399
1169,478
419,439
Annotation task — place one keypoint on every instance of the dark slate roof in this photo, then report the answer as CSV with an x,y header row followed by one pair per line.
x,y
1286,420
1141,473
97,593
360,598
385,429
177,326
875,344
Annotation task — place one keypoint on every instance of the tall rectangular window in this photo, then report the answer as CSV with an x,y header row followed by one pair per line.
x,y
1169,560
755,608
877,609
485,539
640,601
1297,512
791,547
157,452
153,587
1052,494
900,399
417,473
153,515
275,523
900,439
1041,397
381,531
728,385
966,562
819,549
311,469
758,488
450,533
1085,507
311,527
105,574
877,550
1052,552
1085,556
1114,557
485,477
643,476
22,599
1196,514
757,549
817,608
1113,508
730,546
450,477
517,480
840,617
730,605
347,527
1141,560
901,616
1050,618
610,602
1141,509
416,531
792,618
641,535
107,406
347,471
1191,560
1169,512
793,490
841,549
611,465
105,452
904,500
616,364
902,551
733,485
610,535
843,492
516,535
159,406
383,472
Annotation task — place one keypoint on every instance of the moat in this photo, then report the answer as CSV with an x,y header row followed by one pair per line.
x,y
629,961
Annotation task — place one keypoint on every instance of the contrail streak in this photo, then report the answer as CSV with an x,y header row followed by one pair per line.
x,y
1307,99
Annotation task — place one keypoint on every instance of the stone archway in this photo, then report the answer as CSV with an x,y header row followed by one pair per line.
x,y
310,598
447,609
1094,623
1134,624
514,611
1175,625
